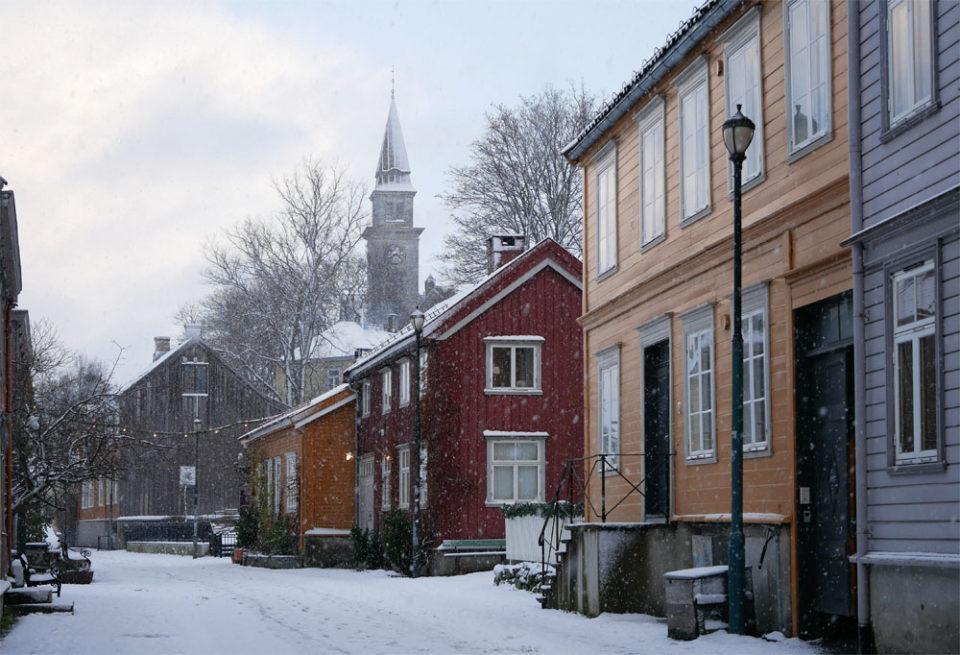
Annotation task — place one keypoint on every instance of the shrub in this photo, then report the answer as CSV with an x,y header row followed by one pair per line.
x,y
247,527
367,549
397,538
528,576
561,508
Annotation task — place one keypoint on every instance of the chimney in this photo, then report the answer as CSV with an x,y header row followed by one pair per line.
x,y
161,346
191,330
502,248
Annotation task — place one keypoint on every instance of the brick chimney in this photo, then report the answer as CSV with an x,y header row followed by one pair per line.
x,y
502,248
161,346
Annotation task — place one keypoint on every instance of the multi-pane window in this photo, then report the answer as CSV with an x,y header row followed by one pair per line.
x,y
333,377
291,479
652,172
403,484
698,384
404,382
515,469
756,406
423,371
743,84
606,167
694,141
385,481
513,364
909,56
609,394
194,377
915,363
275,486
100,492
808,72
86,496
386,389
366,399
423,475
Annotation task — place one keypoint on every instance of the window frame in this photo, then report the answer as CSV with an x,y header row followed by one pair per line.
x,y
892,125
609,359
694,78
365,398
334,377
697,323
652,119
513,343
797,150
386,389
744,33
403,480
754,300
290,478
919,460
493,438
193,364
605,164
405,369
386,472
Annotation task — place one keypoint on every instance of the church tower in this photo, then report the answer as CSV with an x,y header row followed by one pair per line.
x,y
393,243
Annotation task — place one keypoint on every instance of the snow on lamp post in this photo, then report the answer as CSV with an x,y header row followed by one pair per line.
x,y
416,321
737,134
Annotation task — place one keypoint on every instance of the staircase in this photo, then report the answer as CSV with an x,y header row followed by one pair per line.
x,y
32,600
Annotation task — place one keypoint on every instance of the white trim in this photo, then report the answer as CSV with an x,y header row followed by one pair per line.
x,y
514,344
757,299
739,40
697,323
824,132
403,495
406,370
386,389
540,439
513,434
690,81
607,225
652,118
609,359
325,411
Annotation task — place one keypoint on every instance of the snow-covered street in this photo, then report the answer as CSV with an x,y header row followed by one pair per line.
x,y
170,604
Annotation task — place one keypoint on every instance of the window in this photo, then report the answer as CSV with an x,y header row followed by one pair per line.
x,y
386,389
333,377
513,364
609,394
405,382
652,172
915,363
694,141
423,475
194,377
292,487
366,399
756,405
86,495
100,492
515,469
606,166
403,488
698,383
910,70
808,92
423,371
741,50
385,481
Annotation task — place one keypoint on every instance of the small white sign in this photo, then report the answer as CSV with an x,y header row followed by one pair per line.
x,y
804,495
188,476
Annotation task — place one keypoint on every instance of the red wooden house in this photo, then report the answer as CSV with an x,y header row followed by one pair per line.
x,y
501,399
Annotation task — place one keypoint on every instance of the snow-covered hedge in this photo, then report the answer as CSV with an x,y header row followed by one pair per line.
x,y
525,575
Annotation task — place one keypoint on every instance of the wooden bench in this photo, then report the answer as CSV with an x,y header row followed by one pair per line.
x,y
31,578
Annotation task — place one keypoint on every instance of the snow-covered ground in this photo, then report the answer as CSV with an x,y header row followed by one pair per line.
x,y
143,603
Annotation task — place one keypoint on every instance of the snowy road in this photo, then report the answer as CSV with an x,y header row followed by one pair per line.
x,y
169,604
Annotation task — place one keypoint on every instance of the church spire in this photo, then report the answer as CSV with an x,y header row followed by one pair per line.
x,y
393,169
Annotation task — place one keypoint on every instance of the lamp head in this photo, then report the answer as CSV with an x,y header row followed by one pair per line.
x,y
737,135
416,320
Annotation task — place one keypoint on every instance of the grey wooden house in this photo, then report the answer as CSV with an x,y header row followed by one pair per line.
x,y
904,65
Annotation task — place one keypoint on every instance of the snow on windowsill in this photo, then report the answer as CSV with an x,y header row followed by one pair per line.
x,y
327,532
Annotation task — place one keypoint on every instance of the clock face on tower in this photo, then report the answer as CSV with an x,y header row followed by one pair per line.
x,y
394,255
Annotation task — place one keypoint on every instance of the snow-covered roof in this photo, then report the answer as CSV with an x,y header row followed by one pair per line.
x,y
286,419
344,338
159,361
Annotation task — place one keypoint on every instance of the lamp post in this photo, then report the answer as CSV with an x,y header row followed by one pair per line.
x,y
196,479
416,321
737,134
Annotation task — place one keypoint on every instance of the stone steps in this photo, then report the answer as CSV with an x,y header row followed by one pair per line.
x,y
37,608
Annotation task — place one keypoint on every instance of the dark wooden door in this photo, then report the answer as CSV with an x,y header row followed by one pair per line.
x,y
656,428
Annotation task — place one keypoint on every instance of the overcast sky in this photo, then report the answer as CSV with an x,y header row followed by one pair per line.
x,y
134,132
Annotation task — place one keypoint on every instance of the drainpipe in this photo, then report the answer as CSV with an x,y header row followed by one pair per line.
x,y
8,412
865,642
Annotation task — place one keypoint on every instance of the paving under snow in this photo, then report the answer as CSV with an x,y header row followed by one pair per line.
x,y
142,603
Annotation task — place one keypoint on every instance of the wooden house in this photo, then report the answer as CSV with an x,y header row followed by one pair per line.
x,y
658,280
500,397
303,466
905,209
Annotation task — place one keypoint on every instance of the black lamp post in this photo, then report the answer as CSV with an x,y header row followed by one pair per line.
x,y
737,134
416,321
196,480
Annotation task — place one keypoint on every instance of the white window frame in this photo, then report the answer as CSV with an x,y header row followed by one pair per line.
x,y
333,376
694,83
100,492
276,485
385,475
698,326
810,62
912,333
754,303
605,166
86,495
366,398
423,370
742,43
423,475
405,382
653,204
403,483
291,481
193,363
493,438
608,404
386,389
915,67
513,343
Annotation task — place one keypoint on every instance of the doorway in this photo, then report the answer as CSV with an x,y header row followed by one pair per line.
x,y
656,429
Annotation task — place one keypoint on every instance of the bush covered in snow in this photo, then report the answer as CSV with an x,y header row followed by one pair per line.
x,y
529,576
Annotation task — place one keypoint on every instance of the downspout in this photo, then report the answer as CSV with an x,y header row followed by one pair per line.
x,y
864,639
8,417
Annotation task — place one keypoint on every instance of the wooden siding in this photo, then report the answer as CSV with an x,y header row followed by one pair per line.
x,y
327,475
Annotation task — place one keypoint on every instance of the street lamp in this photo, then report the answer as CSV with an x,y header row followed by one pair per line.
x,y
196,479
416,321
737,134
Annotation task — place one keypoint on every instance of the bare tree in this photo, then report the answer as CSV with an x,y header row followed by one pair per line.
x,y
517,181
278,284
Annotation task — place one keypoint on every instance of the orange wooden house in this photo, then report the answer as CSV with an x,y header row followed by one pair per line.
x,y
305,465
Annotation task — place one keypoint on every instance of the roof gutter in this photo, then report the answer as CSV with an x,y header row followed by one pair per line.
x,y
670,59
